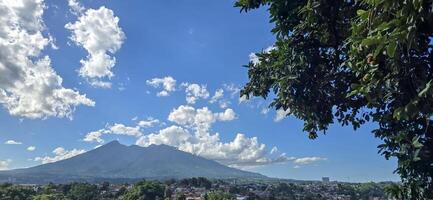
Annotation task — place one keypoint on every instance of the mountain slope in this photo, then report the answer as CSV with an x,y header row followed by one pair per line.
x,y
117,161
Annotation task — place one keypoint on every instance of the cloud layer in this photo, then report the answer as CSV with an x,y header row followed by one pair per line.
x,y
29,87
191,133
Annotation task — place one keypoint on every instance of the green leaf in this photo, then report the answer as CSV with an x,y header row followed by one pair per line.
x,y
391,48
416,144
362,13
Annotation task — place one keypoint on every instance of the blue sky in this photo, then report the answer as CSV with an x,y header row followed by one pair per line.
x,y
202,45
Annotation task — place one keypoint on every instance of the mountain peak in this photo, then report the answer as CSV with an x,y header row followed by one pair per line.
x,y
113,143
115,160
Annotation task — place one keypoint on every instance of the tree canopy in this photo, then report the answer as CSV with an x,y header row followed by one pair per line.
x,y
353,62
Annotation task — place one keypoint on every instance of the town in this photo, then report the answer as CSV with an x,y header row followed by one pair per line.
x,y
199,189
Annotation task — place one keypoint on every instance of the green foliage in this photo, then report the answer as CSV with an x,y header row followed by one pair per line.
x,y
15,192
83,191
196,182
145,190
354,62
219,196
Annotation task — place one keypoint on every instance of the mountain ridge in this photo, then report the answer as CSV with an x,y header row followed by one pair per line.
x,y
117,161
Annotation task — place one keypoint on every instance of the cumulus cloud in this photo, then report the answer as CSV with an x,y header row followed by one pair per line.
x,y
168,84
281,114
308,160
227,115
116,129
29,87
149,122
191,132
200,119
195,92
31,148
13,142
241,151
95,136
173,136
120,129
59,154
99,33
4,164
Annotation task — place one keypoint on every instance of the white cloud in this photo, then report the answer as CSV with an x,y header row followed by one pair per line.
x,y
149,122
173,136
100,84
59,154
217,96
4,164
98,32
31,148
195,92
192,133
168,84
224,104
281,114
308,160
242,151
95,136
29,87
76,7
120,129
116,129
200,119
227,115
13,142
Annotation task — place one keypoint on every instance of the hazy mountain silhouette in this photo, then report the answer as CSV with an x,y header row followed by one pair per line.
x,y
117,161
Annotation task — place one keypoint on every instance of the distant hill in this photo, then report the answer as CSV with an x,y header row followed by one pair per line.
x,y
115,161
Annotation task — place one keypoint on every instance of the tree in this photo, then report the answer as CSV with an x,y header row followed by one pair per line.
x,y
12,192
144,190
353,62
83,191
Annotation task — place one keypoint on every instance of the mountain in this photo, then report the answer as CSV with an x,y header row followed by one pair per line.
x,y
115,161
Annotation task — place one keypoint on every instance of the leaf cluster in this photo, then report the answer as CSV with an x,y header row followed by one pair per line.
x,y
353,62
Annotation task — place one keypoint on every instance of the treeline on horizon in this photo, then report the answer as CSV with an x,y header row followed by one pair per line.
x,y
166,190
